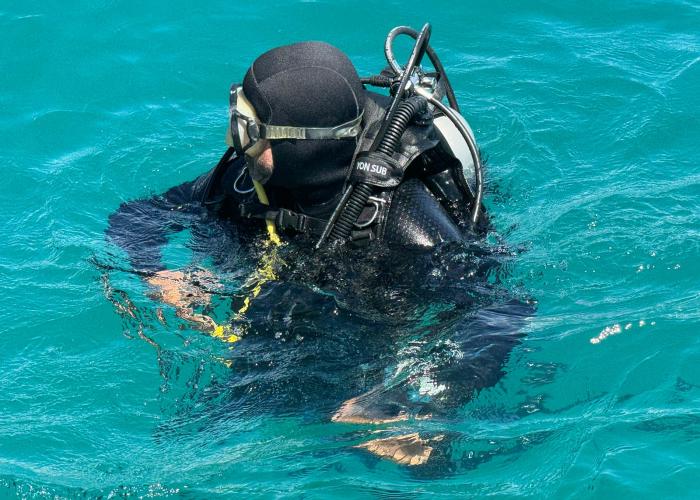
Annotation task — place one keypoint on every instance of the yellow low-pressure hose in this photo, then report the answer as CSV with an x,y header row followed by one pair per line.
x,y
271,229
266,270
264,273
225,333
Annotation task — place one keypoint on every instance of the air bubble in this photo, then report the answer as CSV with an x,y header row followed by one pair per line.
x,y
609,331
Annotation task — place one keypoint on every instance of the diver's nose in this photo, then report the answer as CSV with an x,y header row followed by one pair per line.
x,y
263,165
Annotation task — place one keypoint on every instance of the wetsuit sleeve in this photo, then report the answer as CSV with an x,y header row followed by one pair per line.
x,y
141,227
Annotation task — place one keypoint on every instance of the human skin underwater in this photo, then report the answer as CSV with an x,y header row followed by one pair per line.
x,y
362,336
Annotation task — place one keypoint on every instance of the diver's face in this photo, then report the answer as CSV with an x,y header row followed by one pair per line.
x,y
260,164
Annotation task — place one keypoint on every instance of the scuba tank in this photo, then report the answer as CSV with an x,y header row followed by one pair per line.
x,y
416,96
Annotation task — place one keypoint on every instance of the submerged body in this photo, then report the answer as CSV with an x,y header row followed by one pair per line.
x,y
360,335
402,278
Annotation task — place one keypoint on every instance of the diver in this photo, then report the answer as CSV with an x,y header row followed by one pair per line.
x,y
317,160
313,155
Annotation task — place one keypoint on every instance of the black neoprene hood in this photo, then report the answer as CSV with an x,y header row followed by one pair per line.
x,y
307,84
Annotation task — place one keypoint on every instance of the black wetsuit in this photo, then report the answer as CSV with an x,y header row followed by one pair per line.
x,y
418,324
481,320
416,219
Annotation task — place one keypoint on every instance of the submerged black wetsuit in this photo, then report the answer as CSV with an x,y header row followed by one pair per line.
x,y
477,327
418,328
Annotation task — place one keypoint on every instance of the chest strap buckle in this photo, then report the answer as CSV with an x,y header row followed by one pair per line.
x,y
288,220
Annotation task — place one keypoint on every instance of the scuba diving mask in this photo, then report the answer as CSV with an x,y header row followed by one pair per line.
x,y
247,134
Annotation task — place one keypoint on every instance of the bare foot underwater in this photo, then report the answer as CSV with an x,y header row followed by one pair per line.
x,y
408,449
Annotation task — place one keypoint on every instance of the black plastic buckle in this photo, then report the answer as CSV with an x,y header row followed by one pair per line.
x,y
252,209
362,238
286,220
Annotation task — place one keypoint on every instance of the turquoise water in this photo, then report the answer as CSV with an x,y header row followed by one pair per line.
x,y
589,115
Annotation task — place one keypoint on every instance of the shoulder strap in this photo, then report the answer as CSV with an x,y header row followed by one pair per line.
x,y
387,171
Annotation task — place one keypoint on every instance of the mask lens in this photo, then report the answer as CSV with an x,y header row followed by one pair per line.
x,y
244,129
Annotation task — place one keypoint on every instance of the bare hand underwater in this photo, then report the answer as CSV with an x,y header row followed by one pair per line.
x,y
371,295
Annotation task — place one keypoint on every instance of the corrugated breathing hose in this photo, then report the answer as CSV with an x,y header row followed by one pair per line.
x,y
405,112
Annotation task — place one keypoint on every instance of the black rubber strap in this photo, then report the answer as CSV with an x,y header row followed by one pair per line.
x,y
376,169
285,220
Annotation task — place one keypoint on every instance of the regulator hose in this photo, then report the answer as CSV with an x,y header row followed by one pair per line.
x,y
339,227
432,55
407,109
404,114
447,111
377,81
342,229
478,168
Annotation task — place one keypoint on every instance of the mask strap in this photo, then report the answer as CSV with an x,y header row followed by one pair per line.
x,y
343,131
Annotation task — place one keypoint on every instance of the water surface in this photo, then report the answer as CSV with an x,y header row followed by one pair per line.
x,y
588,114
